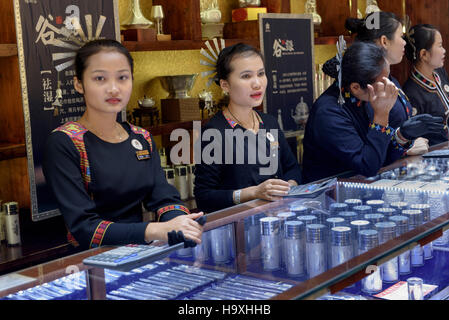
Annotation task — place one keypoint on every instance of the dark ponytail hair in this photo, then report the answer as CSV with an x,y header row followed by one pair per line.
x,y
362,63
388,24
95,46
420,36
226,55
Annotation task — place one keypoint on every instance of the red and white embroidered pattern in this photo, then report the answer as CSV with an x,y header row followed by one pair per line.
x,y
171,207
99,233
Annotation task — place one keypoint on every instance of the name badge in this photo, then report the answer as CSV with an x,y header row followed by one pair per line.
x,y
274,145
142,155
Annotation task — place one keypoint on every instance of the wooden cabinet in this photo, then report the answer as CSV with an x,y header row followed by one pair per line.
x,y
13,165
334,15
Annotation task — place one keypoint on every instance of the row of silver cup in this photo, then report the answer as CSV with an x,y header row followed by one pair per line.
x,y
301,243
217,245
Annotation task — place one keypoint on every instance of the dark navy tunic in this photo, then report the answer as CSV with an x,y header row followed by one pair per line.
x,y
215,183
340,138
110,211
430,96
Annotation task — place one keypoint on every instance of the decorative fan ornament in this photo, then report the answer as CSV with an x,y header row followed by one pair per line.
x,y
212,55
75,39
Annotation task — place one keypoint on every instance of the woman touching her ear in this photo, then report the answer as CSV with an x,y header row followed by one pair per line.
x,y
354,134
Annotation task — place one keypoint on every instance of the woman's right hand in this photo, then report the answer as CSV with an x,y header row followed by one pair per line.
x,y
420,146
186,223
382,97
272,189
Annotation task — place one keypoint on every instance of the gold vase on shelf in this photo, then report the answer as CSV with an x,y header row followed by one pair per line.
x,y
137,19
249,3
310,8
137,27
210,20
371,6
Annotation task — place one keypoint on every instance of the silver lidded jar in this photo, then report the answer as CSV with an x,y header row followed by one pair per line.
x,y
353,203
425,208
294,239
341,245
316,245
405,266
415,219
12,223
390,269
369,239
375,204
270,228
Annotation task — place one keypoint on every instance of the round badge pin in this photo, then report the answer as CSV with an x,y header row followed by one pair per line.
x,y
414,112
136,144
446,88
270,137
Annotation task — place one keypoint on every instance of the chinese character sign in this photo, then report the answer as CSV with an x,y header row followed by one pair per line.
x,y
48,34
287,44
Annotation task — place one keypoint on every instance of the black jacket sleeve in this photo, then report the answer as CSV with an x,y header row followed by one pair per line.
x,y
289,164
62,172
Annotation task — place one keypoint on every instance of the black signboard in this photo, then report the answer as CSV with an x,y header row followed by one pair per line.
x,y
287,42
48,34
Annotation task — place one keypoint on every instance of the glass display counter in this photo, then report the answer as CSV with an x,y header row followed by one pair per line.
x,y
359,239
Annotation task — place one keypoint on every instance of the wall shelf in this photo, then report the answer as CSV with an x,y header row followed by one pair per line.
x,y
136,46
167,128
178,44
8,49
12,151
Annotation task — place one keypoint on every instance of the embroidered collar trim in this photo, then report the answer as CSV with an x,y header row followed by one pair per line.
x,y
429,84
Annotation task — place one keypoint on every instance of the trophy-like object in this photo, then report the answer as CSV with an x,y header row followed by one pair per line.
x,y
371,6
179,105
310,8
137,27
248,11
210,20
249,3
302,114
206,104
137,19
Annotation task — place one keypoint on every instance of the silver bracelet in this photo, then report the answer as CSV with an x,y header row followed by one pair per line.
x,y
399,140
237,196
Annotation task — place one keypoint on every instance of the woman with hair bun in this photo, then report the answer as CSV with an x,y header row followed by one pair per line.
x,y
428,85
346,134
388,36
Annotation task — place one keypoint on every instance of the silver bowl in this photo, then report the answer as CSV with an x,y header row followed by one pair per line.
x,y
178,86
